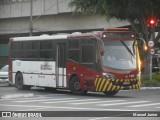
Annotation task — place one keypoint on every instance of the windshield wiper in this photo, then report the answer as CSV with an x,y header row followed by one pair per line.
x,y
133,47
124,44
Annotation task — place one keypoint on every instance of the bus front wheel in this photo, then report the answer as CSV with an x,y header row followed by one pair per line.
x,y
110,93
19,82
75,86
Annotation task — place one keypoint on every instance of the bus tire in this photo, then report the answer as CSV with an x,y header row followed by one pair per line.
x,y
19,82
110,93
75,86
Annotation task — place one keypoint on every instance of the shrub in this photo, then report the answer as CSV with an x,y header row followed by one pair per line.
x,y
146,82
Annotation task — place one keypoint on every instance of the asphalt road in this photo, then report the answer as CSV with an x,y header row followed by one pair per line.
x,y
38,99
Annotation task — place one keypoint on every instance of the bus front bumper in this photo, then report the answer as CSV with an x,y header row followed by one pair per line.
x,y
103,84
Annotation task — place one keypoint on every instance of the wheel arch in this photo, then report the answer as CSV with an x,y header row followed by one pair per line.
x,y
18,72
72,76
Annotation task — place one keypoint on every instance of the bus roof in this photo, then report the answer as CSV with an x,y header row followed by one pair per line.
x,y
96,34
43,37
52,37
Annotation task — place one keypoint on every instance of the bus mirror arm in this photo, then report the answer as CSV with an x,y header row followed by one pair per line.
x,y
102,50
144,44
98,65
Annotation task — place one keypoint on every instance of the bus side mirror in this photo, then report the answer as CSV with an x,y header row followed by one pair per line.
x,y
102,51
98,65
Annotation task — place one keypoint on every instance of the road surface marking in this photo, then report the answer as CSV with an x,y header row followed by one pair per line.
x,y
68,108
45,100
124,103
71,101
22,105
100,118
32,109
26,99
97,102
143,105
26,95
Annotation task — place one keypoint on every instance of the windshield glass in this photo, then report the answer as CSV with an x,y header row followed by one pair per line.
x,y
119,54
4,69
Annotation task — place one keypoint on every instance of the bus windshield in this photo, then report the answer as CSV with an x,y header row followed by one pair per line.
x,y
119,54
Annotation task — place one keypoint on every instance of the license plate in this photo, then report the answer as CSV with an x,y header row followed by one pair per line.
x,y
126,83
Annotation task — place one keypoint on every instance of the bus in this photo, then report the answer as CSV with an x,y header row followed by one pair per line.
x,y
101,61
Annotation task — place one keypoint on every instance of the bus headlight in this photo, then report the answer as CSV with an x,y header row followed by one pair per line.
x,y
138,75
108,76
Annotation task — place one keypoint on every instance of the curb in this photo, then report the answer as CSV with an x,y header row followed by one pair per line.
x,y
149,88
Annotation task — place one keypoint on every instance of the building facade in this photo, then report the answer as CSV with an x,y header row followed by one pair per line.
x,y
49,17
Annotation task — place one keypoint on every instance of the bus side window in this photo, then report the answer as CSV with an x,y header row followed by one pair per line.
x,y
46,49
27,49
35,52
87,53
73,55
74,44
17,51
73,50
13,50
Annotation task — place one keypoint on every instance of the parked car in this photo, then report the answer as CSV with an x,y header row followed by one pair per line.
x,y
4,75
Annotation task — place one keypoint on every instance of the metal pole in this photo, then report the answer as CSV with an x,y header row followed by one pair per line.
x,y
159,62
153,39
150,72
31,18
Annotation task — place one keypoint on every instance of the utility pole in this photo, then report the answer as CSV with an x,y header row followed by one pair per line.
x,y
152,51
152,25
31,18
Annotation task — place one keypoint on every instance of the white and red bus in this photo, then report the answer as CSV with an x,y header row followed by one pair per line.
x,y
105,61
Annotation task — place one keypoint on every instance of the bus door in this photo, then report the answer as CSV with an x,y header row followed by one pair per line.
x,y
61,65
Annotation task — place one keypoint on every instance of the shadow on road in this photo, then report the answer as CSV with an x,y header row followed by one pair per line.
x,y
67,92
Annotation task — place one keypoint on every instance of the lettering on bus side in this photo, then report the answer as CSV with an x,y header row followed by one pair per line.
x,y
18,63
41,76
46,67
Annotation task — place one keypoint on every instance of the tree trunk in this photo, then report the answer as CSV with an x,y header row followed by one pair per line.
x,y
146,64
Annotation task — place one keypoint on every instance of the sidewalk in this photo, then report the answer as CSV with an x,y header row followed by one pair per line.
x,y
149,88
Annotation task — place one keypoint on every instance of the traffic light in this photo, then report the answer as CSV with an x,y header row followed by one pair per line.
x,y
152,22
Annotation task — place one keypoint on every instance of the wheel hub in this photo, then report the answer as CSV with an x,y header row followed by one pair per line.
x,y
77,85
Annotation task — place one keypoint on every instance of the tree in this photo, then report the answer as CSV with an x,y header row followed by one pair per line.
x,y
137,12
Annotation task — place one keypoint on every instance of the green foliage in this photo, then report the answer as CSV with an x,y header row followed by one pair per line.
x,y
121,9
156,77
155,82
137,12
